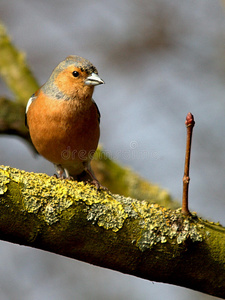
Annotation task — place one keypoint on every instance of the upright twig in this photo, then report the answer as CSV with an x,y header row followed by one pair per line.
x,y
189,124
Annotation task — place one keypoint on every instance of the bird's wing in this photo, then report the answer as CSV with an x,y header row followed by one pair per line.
x,y
99,115
32,98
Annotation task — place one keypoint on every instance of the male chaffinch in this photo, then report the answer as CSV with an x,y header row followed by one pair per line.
x,y
63,119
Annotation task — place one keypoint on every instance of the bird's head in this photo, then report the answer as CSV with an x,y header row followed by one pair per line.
x,y
75,77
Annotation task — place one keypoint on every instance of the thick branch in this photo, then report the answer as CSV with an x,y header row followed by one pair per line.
x,y
111,231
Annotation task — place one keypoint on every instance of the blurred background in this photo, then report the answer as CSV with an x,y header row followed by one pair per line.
x,y
160,60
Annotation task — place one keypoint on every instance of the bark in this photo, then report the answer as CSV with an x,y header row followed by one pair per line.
x,y
112,231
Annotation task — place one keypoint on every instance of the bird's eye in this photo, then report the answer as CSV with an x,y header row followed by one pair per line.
x,y
75,73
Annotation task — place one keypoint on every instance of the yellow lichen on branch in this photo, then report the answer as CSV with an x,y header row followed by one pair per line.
x,y
49,197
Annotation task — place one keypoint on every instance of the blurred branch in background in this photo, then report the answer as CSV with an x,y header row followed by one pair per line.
x,y
12,119
14,70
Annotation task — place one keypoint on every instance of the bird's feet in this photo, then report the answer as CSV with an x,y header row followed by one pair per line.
x,y
94,179
62,173
63,177
97,184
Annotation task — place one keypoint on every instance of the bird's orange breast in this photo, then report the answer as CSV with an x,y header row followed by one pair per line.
x,y
63,131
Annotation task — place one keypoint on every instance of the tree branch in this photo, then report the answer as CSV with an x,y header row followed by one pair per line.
x,y
124,234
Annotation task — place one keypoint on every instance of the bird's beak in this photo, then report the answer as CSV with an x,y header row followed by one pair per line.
x,y
93,79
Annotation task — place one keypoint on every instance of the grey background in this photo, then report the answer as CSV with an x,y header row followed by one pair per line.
x,y
160,60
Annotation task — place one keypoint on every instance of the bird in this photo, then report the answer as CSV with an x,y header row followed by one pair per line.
x,y
63,119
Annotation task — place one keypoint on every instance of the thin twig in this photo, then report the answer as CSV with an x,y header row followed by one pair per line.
x,y
189,124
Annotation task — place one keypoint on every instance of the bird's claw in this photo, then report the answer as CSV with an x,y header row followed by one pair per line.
x,y
98,185
63,177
